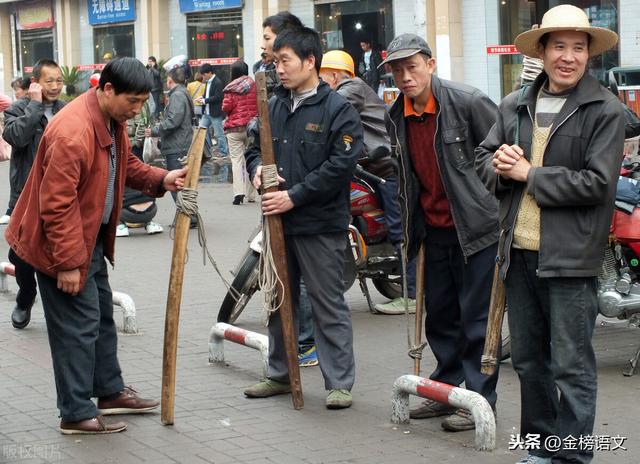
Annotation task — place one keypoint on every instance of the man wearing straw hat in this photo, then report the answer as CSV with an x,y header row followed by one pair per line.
x,y
552,160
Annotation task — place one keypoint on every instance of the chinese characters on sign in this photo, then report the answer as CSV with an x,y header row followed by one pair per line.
x,y
552,443
502,50
190,6
210,36
213,61
111,11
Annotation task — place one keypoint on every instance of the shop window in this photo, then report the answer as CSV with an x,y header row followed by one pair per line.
x,y
117,40
216,35
344,25
36,44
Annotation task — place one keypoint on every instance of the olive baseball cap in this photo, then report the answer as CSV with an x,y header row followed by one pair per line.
x,y
404,46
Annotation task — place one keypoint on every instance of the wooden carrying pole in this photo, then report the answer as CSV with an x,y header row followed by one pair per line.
x,y
493,337
276,242
419,305
174,296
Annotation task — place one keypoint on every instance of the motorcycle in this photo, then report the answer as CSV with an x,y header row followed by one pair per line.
x,y
369,254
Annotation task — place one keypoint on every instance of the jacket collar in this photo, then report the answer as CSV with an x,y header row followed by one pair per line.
x,y
397,109
284,95
588,90
104,137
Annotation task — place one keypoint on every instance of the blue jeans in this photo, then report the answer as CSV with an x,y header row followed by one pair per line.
x,y
551,321
305,320
218,129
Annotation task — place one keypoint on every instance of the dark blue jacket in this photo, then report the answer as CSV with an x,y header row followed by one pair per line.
x,y
316,149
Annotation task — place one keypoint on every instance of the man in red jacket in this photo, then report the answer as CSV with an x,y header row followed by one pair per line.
x,y
64,226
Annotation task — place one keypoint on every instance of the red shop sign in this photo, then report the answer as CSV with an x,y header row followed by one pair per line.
x,y
212,61
502,50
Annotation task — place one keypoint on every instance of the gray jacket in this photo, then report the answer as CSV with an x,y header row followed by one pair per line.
x,y
464,117
24,125
373,113
176,129
575,188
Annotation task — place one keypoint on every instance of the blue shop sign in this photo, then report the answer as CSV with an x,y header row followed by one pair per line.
x,y
111,11
189,6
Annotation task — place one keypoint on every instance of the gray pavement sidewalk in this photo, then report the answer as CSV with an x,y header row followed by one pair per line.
x,y
214,423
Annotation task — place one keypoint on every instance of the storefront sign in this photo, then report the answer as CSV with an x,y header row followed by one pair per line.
x,y
34,15
212,61
28,69
111,11
190,6
90,67
502,50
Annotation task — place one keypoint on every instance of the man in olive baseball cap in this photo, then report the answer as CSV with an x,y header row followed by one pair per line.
x,y
434,126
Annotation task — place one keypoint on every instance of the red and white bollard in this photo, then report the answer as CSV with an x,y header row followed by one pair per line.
x,y
221,332
129,324
446,394
5,270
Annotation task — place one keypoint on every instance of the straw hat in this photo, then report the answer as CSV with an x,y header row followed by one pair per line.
x,y
566,18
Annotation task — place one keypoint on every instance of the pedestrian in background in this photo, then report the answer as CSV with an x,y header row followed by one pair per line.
x,y
552,160
20,87
240,106
435,125
196,91
213,115
368,65
156,88
25,121
64,226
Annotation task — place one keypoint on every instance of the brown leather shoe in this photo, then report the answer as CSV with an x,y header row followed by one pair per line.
x,y
94,426
127,402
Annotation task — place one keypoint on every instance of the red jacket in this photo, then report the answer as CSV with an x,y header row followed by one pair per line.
x,y
240,103
57,219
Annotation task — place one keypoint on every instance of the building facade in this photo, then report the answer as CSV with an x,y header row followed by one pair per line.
x,y
461,32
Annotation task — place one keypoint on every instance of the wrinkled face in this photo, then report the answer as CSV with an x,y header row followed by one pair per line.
x,y
268,37
51,83
412,75
294,73
330,77
124,105
565,59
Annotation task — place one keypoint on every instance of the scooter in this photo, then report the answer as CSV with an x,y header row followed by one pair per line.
x,y
369,255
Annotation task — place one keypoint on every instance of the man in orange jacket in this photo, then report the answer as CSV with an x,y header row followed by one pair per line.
x,y
64,226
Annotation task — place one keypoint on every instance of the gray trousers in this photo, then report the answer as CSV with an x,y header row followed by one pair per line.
x,y
319,259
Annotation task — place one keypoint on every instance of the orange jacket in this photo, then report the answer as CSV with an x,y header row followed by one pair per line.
x,y
58,216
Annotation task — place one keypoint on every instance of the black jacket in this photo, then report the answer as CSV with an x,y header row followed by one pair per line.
x,y
575,188
24,124
316,148
176,129
156,79
464,117
214,97
371,77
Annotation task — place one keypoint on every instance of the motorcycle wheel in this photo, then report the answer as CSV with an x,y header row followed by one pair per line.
x,y
506,337
246,284
387,288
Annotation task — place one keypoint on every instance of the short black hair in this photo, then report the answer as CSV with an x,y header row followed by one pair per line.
x,y
206,68
281,21
152,58
304,42
21,83
545,39
238,69
126,75
37,68
177,75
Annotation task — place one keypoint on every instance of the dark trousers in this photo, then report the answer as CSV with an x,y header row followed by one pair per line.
x,y
26,280
83,340
457,305
551,321
319,259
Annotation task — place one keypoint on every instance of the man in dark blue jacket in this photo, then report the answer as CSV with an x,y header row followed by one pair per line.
x,y
212,101
317,139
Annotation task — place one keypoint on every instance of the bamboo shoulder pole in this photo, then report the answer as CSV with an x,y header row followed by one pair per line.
x,y
419,305
174,295
276,236
493,337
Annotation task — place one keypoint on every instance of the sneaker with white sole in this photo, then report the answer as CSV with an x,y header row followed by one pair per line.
x,y
153,228
309,358
396,306
122,230
4,219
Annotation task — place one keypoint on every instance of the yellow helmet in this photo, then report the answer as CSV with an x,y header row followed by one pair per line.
x,y
337,59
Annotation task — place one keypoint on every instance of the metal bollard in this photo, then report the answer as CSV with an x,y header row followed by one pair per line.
x,y
129,322
446,394
5,270
221,332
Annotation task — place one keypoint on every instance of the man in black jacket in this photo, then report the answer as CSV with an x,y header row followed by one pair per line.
x,y
317,138
368,65
434,127
212,101
25,122
552,159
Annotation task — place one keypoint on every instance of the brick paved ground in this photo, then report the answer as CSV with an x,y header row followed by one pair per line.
x,y
214,423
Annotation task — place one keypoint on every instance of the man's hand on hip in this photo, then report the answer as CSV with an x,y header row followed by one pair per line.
x,y
69,281
276,203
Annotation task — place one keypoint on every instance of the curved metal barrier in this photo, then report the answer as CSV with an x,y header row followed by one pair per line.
x,y
221,332
447,394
